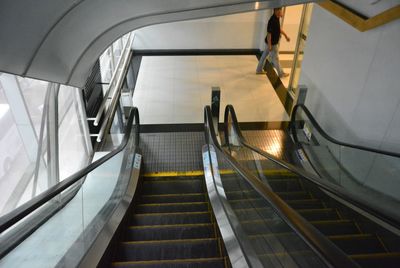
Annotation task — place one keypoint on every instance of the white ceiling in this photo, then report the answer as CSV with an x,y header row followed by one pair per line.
x,y
59,40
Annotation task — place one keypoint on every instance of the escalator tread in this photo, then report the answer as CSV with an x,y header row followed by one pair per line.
x,y
359,244
172,226
388,259
367,249
177,263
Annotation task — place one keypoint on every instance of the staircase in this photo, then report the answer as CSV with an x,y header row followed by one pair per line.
x,y
172,226
366,243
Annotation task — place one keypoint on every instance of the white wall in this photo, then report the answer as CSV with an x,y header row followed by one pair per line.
x,y
238,31
354,93
353,80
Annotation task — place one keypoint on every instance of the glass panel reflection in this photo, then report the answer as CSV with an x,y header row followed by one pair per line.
x,y
273,241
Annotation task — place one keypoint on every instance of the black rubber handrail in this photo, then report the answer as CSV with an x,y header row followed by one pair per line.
x,y
19,213
326,136
329,252
355,199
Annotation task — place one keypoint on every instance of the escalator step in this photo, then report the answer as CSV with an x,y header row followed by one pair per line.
x,y
248,203
172,207
235,184
272,172
358,244
319,214
172,187
169,250
184,263
306,204
336,227
294,195
148,177
387,260
277,243
169,232
291,259
285,185
251,214
236,195
171,218
259,227
173,198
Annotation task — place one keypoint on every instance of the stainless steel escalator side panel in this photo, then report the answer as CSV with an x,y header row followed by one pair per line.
x,y
99,246
240,251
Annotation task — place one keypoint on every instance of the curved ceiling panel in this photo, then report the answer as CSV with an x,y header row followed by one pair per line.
x,y
59,40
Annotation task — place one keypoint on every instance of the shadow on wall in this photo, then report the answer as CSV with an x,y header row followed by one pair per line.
x,y
376,171
326,115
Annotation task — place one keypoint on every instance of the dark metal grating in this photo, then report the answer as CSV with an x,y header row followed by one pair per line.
x,y
276,142
172,151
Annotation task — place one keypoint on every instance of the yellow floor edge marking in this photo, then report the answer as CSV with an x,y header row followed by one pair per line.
x,y
193,173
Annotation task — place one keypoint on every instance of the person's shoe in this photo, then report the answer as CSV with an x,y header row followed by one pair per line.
x,y
284,75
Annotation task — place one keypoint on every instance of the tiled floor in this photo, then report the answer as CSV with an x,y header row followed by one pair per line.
x,y
175,89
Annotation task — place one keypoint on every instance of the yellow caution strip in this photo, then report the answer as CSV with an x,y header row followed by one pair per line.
x,y
194,173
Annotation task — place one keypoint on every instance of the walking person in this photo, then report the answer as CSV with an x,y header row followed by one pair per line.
x,y
272,39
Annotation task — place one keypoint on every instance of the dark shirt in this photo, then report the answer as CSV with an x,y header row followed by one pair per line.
x,y
274,28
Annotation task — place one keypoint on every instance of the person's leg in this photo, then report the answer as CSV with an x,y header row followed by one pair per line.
x,y
275,60
261,62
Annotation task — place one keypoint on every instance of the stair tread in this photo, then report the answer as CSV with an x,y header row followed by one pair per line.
x,y
350,236
168,261
169,226
153,177
303,200
169,249
172,179
375,255
331,222
172,207
172,204
172,213
165,195
170,241
242,200
170,232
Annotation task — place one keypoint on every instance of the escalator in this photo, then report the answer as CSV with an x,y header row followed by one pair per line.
x,y
172,226
190,202
352,223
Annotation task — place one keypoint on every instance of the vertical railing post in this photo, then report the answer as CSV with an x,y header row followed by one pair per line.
x,y
52,137
215,106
